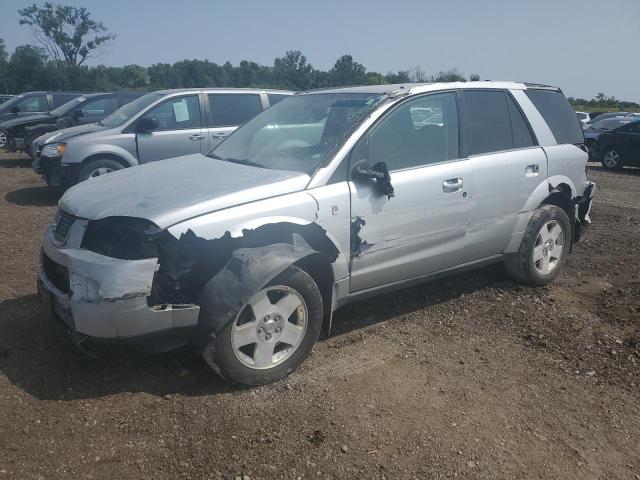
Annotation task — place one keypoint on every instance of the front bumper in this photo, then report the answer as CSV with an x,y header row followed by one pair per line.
x,y
106,298
55,173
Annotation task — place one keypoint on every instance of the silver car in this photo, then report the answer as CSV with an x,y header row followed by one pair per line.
x,y
157,126
326,198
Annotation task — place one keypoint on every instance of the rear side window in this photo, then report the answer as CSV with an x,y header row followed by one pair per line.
x,y
486,121
231,109
275,98
557,112
522,136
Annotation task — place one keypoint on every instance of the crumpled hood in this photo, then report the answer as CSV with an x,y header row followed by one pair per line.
x,y
66,133
171,191
28,119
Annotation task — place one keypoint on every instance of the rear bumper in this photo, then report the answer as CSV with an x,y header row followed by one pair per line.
x,y
99,297
583,209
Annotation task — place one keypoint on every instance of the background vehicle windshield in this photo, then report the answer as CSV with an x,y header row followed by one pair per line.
x,y
610,123
126,112
65,108
298,133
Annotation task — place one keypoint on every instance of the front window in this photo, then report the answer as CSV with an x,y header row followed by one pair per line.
x,y
125,113
33,104
299,133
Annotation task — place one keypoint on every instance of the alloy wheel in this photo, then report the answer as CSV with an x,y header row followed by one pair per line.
x,y
270,328
547,251
611,159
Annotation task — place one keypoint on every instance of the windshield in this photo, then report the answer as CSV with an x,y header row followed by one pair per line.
x,y
126,112
298,133
12,101
65,108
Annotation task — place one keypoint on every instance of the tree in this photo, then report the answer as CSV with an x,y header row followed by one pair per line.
x,y
68,34
346,71
452,75
474,77
4,67
401,77
293,71
418,75
27,67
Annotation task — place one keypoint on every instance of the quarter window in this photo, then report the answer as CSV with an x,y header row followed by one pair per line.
x,y
177,114
559,115
232,109
419,132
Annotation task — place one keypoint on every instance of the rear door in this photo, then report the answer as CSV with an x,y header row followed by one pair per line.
x,y
227,111
179,130
633,155
507,167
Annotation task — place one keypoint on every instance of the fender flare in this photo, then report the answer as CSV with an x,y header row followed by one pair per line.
x,y
248,270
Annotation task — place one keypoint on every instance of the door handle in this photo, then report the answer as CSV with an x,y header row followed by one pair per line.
x,y
220,135
452,185
196,136
532,170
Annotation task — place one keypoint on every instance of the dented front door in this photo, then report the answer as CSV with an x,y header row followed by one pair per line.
x,y
420,230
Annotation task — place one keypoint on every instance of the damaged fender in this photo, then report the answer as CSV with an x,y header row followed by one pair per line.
x,y
248,270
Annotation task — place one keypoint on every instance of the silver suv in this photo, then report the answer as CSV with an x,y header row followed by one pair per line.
x,y
159,125
325,198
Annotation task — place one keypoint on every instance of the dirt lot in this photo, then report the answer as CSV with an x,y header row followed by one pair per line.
x,y
471,377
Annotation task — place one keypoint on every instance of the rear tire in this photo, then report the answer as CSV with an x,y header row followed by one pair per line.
x,y
98,167
543,249
264,342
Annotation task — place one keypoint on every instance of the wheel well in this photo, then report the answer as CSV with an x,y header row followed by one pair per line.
x,y
561,197
318,266
110,156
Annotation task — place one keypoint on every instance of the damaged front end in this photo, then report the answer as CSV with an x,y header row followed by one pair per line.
x,y
124,278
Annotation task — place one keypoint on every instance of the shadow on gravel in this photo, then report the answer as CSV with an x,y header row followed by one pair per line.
x,y
16,162
402,302
38,356
34,197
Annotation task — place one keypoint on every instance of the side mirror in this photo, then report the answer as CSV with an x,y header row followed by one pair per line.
x,y
76,114
146,124
379,172
15,109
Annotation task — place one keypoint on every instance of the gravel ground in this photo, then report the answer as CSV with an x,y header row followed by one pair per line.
x,y
469,377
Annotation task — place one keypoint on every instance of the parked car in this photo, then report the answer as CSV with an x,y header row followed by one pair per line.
x,y
595,116
327,197
593,132
585,119
4,98
634,114
159,125
619,147
21,132
30,103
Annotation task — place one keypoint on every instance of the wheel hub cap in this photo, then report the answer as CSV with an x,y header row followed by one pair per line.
x,y
547,251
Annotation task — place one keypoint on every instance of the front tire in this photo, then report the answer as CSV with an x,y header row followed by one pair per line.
x,y
543,249
272,334
612,158
98,167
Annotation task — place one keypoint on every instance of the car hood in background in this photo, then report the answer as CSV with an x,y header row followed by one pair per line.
x,y
66,133
36,118
171,191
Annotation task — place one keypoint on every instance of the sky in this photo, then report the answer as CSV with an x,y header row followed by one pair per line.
x,y
582,46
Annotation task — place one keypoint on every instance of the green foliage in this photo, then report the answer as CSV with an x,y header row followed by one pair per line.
x,y
601,102
68,34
